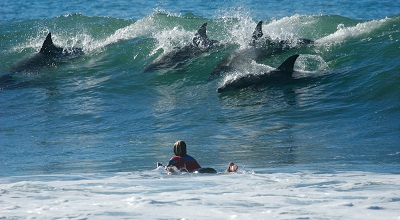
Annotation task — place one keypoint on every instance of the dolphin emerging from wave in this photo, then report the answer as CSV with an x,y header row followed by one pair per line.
x,y
283,72
260,48
49,55
200,44
275,45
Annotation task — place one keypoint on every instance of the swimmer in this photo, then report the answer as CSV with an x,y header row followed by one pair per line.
x,y
231,168
182,161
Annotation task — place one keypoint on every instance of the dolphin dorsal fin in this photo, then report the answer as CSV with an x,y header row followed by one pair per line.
x,y
203,31
48,46
200,38
258,31
288,64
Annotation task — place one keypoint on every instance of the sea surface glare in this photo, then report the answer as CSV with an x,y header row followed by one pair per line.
x,y
80,138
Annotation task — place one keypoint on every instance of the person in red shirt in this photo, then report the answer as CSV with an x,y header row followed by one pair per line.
x,y
182,161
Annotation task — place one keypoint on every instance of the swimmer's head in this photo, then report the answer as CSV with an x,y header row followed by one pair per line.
x,y
180,148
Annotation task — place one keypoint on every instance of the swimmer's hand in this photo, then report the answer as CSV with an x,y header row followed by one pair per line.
x,y
172,169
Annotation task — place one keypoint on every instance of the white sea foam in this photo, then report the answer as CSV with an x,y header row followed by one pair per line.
x,y
155,195
240,32
344,33
142,27
308,65
169,38
290,27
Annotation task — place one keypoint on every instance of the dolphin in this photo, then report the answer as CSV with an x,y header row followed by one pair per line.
x,y
260,41
260,48
201,39
49,55
283,72
199,45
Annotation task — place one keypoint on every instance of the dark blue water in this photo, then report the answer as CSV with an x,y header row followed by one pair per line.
x,y
101,113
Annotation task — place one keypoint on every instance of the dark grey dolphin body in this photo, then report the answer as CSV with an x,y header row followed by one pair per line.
x,y
49,55
283,73
200,44
260,48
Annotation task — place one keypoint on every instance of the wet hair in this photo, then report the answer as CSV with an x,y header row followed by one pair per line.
x,y
180,148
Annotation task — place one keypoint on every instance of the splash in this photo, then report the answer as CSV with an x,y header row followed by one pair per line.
x,y
291,27
63,39
140,28
169,38
238,26
35,41
308,65
344,33
252,67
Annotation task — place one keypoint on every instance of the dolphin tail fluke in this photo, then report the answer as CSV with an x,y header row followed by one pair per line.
x,y
288,64
48,46
258,31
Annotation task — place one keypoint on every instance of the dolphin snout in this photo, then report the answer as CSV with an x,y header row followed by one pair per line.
x,y
221,89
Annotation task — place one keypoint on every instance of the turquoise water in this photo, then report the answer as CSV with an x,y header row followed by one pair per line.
x,y
101,114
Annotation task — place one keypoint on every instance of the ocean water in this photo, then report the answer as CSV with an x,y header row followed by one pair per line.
x,y
80,139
